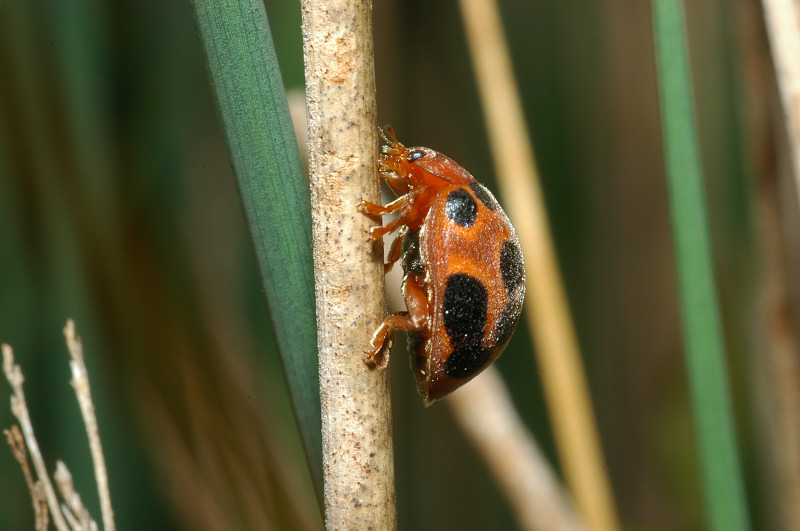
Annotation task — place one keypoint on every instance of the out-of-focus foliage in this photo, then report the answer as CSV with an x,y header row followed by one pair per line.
x,y
262,146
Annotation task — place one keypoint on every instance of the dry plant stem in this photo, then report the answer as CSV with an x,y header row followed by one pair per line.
x,y
80,382
775,373
548,314
42,514
73,508
20,409
17,443
348,270
778,368
783,27
484,411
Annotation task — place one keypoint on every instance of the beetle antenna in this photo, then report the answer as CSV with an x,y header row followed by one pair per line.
x,y
387,133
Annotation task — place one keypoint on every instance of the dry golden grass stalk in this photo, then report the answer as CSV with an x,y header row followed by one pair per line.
x,y
548,315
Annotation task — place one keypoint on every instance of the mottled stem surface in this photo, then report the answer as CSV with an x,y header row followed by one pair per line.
x,y
348,269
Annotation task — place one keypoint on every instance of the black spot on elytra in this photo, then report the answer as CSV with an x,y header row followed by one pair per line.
x,y
484,195
414,155
466,361
412,261
511,266
508,321
465,303
461,207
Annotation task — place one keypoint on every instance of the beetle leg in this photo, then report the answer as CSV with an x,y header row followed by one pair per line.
x,y
416,301
383,338
379,231
395,251
365,207
399,184
415,320
401,206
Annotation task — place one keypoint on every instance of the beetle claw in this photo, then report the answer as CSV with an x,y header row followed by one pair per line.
x,y
378,357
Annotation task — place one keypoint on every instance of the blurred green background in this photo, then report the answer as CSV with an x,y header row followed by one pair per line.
x,y
118,209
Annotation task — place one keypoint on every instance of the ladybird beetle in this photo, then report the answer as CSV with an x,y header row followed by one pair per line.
x,y
463,272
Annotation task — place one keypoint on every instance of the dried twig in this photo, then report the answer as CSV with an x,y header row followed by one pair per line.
x,y
20,409
783,27
777,366
80,382
485,412
72,514
17,443
73,508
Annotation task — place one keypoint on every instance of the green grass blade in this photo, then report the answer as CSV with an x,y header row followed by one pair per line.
x,y
705,356
273,188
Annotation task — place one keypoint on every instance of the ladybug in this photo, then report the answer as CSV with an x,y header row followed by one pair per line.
x,y
463,272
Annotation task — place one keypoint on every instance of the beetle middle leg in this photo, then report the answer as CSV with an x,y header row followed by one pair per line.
x,y
395,251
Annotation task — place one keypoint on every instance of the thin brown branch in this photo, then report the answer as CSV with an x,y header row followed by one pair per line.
x,y
17,443
485,412
783,27
80,382
42,514
548,315
20,409
73,508
348,269
774,368
72,514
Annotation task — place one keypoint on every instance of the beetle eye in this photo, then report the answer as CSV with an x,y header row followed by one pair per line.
x,y
414,155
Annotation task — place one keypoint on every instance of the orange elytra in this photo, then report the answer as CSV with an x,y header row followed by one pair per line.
x,y
464,275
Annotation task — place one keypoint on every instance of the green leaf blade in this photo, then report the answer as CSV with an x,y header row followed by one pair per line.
x,y
704,349
273,188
